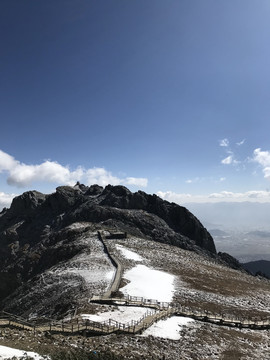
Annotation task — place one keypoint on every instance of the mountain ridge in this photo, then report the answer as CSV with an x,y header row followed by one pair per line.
x,y
40,231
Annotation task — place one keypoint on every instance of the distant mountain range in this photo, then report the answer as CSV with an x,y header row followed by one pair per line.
x,y
257,267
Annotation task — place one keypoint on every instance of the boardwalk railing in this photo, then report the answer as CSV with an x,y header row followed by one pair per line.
x,y
131,300
156,310
80,325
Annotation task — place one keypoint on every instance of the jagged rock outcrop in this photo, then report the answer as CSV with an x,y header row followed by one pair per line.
x,y
35,233
33,213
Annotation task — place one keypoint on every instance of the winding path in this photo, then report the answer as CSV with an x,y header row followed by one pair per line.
x,y
161,310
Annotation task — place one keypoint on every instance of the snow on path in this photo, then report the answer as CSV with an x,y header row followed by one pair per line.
x,y
128,254
93,266
169,328
7,352
124,314
149,283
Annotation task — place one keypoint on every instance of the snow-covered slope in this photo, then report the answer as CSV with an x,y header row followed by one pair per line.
x,y
8,353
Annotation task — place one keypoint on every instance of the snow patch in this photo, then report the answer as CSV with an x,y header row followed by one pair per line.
x,y
123,314
90,276
76,225
7,352
149,283
92,265
128,254
169,328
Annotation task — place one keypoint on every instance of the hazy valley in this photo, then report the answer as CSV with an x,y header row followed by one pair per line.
x,y
241,229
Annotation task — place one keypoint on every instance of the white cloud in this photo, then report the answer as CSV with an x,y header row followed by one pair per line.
x,y
263,158
174,197
228,160
22,175
224,142
100,176
7,162
266,172
222,179
246,196
6,199
223,196
192,181
103,177
241,142
136,181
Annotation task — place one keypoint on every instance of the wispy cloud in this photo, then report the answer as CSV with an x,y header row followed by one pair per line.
x,y
192,181
224,142
22,175
175,197
231,158
136,181
253,195
223,196
204,179
228,160
241,142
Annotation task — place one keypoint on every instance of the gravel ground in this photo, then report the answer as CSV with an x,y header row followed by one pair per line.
x,y
197,341
200,283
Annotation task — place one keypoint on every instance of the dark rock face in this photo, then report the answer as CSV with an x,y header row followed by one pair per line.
x,y
230,261
32,235
26,204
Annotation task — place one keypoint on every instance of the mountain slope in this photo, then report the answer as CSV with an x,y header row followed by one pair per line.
x,y
59,256
37,232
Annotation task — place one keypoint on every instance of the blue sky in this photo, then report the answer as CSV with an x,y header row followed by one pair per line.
x,y
171,97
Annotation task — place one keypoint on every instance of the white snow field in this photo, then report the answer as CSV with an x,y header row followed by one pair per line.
x,y
128,254
149,283
7,352
168,328
124,314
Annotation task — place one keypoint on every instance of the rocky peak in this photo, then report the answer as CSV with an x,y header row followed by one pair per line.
x,y
94,190
64,198
95,204
27,203
177,217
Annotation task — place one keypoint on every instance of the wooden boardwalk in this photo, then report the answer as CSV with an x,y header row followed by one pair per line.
x,y
78,325
178,310
172,309
155,310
